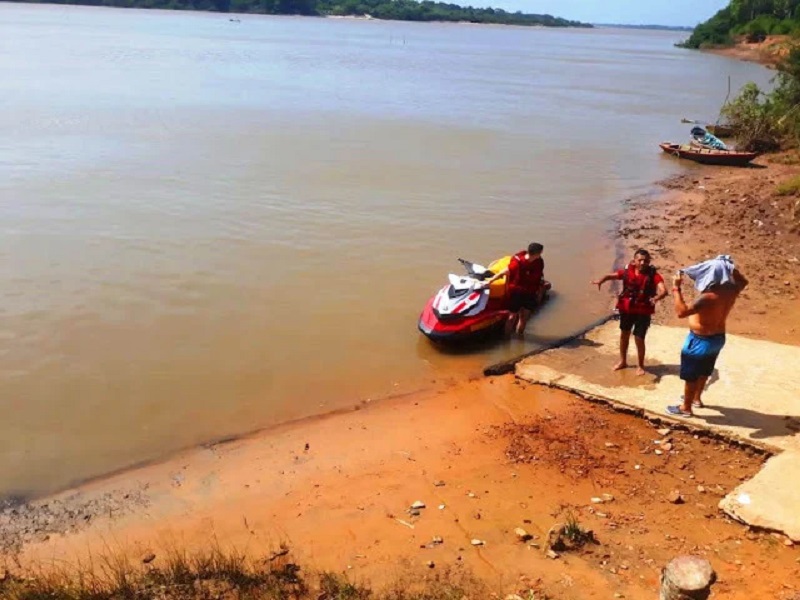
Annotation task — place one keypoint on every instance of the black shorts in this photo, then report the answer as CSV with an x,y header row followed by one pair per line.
x,y
518,301
638,323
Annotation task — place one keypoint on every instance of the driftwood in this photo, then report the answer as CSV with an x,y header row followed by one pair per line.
x,y
687,578
507,366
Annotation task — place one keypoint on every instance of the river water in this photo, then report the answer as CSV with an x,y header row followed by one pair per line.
x,y
211,226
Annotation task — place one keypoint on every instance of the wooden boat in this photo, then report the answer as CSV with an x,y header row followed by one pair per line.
x,y
707,156
721,131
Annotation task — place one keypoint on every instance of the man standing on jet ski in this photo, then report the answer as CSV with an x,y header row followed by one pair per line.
x,y
524,284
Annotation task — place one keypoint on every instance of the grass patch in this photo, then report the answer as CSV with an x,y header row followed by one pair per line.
x,y
226,575
790,187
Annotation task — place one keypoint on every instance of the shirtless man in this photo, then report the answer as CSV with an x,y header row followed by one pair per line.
x,y
707,317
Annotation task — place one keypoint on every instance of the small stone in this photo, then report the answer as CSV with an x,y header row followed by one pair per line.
x,y
675,497
414,512
608,498
664,432
597,500
431,564
788,542
477,542
637,467
148,558
551,554
610,445
471,495
522,535
667,447
417,505
437,540
441,507
438,483
701,489
659,452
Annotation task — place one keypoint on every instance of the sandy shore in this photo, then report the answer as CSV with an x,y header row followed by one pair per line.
x,y
485,457
768,53
713,210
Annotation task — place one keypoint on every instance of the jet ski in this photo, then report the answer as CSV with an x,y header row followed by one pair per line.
x,y
463,312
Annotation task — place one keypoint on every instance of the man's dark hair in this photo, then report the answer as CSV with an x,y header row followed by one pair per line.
x,y
642,252
535,248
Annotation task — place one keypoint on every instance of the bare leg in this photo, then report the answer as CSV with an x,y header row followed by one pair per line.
x,y
511,323
689,391
701,386
640,349
524,315
624,339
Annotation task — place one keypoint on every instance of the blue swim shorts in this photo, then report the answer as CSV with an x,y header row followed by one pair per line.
x,y
699,355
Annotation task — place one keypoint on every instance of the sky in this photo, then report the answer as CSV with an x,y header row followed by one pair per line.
x,y
629,12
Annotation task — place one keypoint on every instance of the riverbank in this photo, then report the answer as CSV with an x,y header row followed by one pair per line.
x,y
768,52
338,493
742,212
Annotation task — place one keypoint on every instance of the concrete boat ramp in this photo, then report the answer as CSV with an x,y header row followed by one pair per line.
x,y
753,397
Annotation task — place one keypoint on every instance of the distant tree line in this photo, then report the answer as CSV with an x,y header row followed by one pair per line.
x,y
752,18
401,10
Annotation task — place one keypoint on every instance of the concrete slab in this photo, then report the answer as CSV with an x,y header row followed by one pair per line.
x,y
766,500
754,395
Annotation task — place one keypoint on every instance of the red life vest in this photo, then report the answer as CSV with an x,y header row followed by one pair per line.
x,y
637,290
524,277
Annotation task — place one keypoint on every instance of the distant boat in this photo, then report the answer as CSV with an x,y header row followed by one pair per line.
x,y
707,156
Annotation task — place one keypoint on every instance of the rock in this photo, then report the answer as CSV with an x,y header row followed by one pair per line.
x,y
658,452
597,500
441,507
610,445
522,535
664,431
675,497
437,540
701,489
438,483
687,577
417,505
667,447
431,564
477,542
148,558
513,597
551,554
414,512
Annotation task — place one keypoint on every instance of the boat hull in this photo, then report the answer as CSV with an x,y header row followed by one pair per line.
x,y
728,158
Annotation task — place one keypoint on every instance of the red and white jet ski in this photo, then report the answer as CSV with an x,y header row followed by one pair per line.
x,y
461,313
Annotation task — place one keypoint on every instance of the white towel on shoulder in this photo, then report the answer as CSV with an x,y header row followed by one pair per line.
x,y
716,271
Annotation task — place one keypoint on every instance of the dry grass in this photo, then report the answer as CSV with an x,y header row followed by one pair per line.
x,y
790,187
225,575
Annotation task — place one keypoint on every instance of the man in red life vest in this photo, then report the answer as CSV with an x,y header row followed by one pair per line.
x,y
525,285
642,288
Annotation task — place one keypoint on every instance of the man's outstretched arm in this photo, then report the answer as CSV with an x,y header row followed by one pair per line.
x,y
604,278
